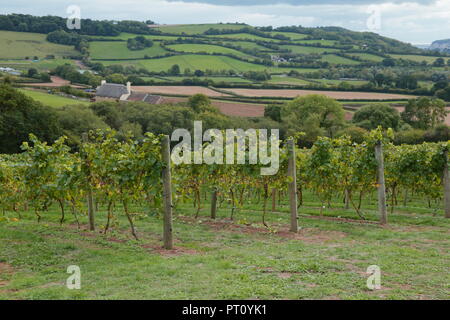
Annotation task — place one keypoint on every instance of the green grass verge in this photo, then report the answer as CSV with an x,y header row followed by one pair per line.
x,y
229,260
51,100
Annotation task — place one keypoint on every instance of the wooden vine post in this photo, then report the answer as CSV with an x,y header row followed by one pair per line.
x,y
446,181
214,204
382,209
168,205
292,173
90,196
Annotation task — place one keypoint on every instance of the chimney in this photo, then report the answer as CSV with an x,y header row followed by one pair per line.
x,y
103,82
129,87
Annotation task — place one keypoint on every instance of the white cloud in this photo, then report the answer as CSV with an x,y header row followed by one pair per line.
x,y
408,21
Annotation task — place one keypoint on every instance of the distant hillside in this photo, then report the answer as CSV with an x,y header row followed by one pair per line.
x,y
441,45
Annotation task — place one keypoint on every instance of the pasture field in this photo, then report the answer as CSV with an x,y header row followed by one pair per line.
x,y
291,35
19,45
244,36
202,62
247,45
119,50
415,58
196,48
322,42
197,28
52,100
212,78
307,50
337,82
334,59
367,56
41,65
288,80
224,259
124,36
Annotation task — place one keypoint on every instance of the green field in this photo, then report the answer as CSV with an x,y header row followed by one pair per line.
x,y
202,62
244,36
334,59
247,45
51,100
119,50
41,65
367,56
291,35
307,50
416,58
197,28
223,259
322,42
18,45
288,80
195,48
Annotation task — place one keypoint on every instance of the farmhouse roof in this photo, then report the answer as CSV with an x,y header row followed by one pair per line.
x,y
112,90
144,97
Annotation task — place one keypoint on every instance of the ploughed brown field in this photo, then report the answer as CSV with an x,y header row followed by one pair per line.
x,y
447,118
229,108
179,90
339,95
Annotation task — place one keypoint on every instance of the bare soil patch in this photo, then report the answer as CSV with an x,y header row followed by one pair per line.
x,y
234,109
5,269
179,90
447,118
176,251
310,235
341,95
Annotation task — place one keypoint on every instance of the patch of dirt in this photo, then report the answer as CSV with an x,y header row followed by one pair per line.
x,y
5,269
340,95
311,235
176,251
236,109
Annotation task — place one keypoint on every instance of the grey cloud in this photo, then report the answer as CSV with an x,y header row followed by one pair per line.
x,y
299,2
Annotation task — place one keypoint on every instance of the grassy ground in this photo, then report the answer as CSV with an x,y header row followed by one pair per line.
x,y
334,59
42,65
18,45
416,58
307,50
195,48
51,100
119,50
230,260
198,28
202,62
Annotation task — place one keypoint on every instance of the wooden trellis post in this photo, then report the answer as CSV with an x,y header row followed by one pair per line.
x,y
90,196
382,209
292,172
446,181
214,204
168,205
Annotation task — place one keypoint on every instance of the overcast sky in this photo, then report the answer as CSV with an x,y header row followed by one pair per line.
x,y
414,21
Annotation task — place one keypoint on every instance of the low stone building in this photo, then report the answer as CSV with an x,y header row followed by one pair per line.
x,y
119,92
